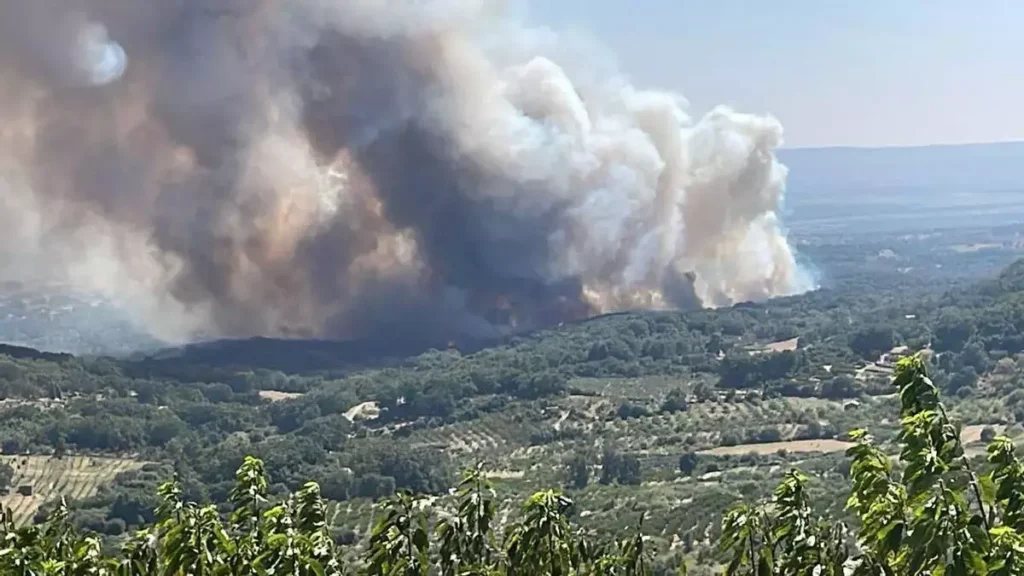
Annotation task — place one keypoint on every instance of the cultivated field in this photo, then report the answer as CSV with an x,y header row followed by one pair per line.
x,y
73,477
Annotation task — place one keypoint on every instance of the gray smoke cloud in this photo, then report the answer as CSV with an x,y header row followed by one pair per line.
x,y
352,168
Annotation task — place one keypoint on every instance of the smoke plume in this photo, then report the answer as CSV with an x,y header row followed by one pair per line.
x,y
350,168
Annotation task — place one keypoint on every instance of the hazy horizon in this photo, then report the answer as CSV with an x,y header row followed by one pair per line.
x,y
1019,141
866,74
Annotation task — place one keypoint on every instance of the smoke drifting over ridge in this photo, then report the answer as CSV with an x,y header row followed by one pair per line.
x,y
346,168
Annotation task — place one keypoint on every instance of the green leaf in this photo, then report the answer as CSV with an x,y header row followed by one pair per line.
x,y
988,489
733,566
420,539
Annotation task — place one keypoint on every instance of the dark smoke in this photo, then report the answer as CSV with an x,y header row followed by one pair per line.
x,y
356,167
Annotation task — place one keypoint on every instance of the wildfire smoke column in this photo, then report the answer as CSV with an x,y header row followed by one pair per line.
x,y
355,168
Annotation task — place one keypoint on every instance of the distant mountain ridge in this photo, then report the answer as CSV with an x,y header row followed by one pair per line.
x,y
991,167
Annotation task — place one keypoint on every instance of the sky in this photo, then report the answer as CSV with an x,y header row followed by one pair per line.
x,y
835,72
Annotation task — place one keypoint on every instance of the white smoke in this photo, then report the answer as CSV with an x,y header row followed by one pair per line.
x,y
327,167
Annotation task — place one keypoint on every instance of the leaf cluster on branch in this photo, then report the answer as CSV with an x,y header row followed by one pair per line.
x,y
261,538
930,514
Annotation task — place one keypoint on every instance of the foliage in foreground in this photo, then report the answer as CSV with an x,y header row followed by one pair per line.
x,y
928,513
291,537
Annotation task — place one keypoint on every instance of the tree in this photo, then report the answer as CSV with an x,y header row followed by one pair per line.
x,y
965,378
13,445
953,329
675,401
400,544
974,355
704,391
841,386
629,411
610,463
869,343
60,446
621,468
688,463
578,471
630,472
466,542
6,475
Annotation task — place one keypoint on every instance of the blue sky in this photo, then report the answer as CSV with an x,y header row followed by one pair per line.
x,y
835,72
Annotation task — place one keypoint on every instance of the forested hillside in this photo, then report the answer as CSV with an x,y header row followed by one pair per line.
x,y
666,416
933,512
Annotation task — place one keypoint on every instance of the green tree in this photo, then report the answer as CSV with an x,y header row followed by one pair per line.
x,y
704,391
688,462
782,536
578,471
60,447
611,461
543,543
6,476
675,401
869,343
467,543
399,545
935,516
630,471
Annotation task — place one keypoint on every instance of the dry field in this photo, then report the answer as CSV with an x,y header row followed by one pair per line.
x,y
972,433
276,396
772,447
784,345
